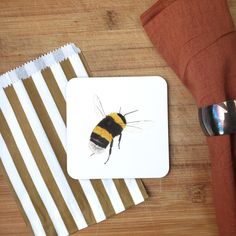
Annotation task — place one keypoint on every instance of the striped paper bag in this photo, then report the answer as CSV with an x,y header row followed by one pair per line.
x,y
33,150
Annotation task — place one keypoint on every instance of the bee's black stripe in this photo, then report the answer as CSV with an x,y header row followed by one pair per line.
x,y
111,126
98,140
122,118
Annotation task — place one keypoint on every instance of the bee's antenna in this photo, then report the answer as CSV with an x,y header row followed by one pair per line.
x,y
92,154
130,112
120,110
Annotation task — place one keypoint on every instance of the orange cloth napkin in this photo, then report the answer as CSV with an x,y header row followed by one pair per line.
x,y
197,38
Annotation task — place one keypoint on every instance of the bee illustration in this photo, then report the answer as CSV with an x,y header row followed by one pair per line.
x,y
111,126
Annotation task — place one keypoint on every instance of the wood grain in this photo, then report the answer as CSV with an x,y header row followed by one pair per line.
x,y
114,44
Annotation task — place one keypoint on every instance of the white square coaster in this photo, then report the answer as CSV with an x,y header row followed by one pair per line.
x,y
101,109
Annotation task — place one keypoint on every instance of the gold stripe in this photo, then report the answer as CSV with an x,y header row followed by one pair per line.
x,y
103,133
40,160
58,149
100,191
26,179
26,220
87,68
142,188
124,193
68,69
103,197
117,119
55,91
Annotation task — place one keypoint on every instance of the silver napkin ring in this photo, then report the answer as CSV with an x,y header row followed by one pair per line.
x,y
218,119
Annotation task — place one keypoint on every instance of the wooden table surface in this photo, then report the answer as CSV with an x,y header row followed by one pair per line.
x,y
112,39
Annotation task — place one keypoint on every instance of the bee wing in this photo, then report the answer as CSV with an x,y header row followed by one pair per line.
x,y
98,106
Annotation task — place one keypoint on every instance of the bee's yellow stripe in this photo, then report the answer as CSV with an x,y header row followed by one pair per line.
x,y
117,119
103,133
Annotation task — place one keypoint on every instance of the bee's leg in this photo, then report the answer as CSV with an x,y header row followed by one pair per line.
x,y
109,151
119,140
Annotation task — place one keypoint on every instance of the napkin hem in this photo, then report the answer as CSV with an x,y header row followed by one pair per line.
x,y
155,9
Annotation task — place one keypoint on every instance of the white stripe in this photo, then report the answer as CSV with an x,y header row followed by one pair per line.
x,y
20,189
31,165
60,78
50,105
93,200
69,50
78,66
113,195
134,190
49,155
5,81
57,73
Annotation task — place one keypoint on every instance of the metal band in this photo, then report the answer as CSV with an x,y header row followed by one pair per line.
x,y
218,119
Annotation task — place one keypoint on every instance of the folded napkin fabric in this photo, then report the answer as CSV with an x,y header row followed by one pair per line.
x,y
33,150
197,38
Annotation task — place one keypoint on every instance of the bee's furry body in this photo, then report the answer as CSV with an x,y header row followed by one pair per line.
x,y
105,131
